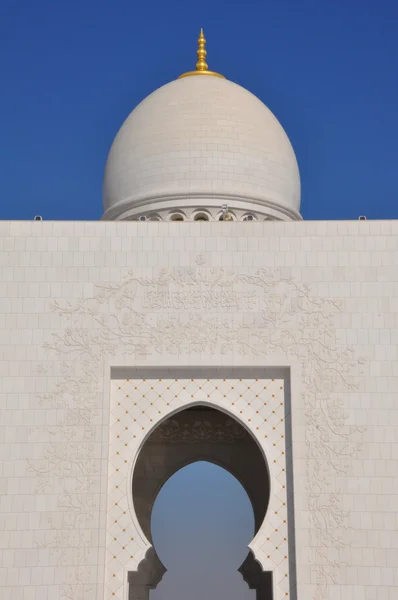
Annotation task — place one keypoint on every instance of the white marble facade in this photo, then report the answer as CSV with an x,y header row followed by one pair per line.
x,y
84,305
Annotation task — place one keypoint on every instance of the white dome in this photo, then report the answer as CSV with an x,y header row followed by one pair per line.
x,y
198,143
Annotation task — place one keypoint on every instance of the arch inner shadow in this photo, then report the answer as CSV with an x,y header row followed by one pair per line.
x,y
201,537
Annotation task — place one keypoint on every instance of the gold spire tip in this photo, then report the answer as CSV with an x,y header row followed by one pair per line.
x,y
201,65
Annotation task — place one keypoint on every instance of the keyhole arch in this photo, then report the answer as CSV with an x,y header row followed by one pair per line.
x,y
199,432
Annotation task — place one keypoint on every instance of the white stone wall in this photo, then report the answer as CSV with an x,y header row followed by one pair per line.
x,y
77,299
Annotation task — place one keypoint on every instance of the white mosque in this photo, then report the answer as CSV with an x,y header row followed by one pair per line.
x,y
201,319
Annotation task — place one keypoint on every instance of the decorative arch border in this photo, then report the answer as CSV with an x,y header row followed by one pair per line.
x,y
137,407
165,417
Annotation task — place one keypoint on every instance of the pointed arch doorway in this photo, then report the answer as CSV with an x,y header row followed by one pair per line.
x,y
198,433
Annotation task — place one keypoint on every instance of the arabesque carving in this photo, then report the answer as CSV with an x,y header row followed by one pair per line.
x,y
199,431
176,312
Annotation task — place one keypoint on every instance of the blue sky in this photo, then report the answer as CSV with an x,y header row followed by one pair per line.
x,y
202,522
72,71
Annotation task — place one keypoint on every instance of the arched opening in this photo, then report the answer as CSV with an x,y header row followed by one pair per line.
x,y
201,524
177,217
199,433
201,216
249,217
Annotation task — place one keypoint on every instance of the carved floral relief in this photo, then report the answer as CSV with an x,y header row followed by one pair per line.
x,y
196,311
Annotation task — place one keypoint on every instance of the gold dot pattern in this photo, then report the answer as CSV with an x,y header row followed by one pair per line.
x,y
137,406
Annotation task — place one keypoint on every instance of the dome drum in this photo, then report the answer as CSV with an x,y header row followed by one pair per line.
x,y
164,208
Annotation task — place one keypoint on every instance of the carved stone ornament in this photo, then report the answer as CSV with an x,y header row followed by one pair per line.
x,y
199,431
194,311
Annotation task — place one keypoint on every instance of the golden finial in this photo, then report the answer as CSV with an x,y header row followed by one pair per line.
x,y
201,65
